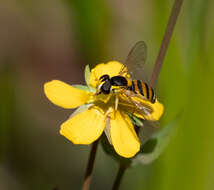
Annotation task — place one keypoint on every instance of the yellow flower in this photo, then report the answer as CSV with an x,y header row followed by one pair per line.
x,y
96,113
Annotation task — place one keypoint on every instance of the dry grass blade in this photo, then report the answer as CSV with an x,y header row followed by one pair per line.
x,y
165,42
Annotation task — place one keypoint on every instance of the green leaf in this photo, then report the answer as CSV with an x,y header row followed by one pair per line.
x,y
153,148
87,75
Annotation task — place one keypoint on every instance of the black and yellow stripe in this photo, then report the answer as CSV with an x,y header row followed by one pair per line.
x,y
144,89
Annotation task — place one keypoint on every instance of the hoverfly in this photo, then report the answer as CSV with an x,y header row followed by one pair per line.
x,y
135,92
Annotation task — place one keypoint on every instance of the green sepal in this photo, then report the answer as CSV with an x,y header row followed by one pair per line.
x,y
155,145
87,78
87,75
136,121
80,109
85,88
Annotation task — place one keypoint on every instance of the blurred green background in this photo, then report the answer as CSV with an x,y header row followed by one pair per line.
x,y
54,39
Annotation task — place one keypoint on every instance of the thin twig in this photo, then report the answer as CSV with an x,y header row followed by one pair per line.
x,y
119,176
165,42
159,61
89,169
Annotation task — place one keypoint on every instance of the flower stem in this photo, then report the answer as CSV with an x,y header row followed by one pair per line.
x,y
165,42
89,169
119,176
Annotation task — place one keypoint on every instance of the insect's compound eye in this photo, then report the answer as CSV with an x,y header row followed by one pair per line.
x,y
106,87
104,78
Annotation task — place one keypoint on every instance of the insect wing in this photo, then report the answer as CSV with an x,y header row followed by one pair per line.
x,y
136,59
140,102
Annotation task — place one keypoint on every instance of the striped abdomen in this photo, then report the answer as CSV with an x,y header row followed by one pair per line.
x,y
140,87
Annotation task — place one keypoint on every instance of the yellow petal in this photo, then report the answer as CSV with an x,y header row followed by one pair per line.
x,y
85,127
123,135
112,68
64,95
158,110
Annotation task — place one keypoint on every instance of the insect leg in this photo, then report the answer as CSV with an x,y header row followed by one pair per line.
x,y
116,102
123,70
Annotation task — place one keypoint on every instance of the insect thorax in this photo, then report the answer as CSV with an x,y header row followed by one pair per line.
x,y
119,81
